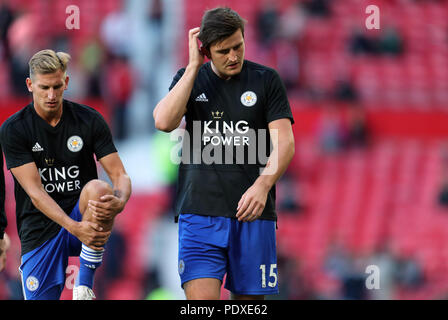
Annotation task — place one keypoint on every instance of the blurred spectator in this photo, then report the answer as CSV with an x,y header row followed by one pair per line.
x,y
113,262
154,288
358,130
291,25
409,273
390,42
10,287
287,53
360,43
337,261
443,192
292,285
91,60
161,261
288,194
345,91
292,22
318,8
118,90
353,282
115,32
331,133
156,12
22,40
267,21
348,270
6,19
115,254
10,284
386,261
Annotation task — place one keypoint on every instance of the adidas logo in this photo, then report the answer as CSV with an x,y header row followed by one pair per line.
x,y
37,147
202,98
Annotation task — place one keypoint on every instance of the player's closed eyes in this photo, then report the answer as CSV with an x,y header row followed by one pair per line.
x,y
226,51
59,86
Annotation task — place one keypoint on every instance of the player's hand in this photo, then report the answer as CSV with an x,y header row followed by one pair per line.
x,y
252,203
196,58
107,208
92,234
4,246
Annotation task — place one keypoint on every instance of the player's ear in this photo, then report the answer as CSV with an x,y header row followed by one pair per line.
x,y
205,51
67,79
29,84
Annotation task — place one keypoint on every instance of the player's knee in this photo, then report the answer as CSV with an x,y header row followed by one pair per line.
x,y
95,189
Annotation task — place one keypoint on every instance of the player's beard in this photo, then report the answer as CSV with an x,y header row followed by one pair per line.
x,y
49,111
227,71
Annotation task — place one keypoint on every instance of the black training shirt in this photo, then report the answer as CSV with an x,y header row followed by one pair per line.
x,y
226,140
64,156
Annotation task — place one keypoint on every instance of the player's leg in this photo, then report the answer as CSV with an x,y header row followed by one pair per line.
x,y
90,259
252,271
53,293
35,279
202,255
94,190
43,269
203,289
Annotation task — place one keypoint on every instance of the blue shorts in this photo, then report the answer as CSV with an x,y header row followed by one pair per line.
x,y
210,247
43,269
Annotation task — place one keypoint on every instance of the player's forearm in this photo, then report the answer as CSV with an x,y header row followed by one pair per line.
x,y
45,204
278,162
170,110
122,187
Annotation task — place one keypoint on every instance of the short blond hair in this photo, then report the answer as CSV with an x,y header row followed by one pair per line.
x,y
48,61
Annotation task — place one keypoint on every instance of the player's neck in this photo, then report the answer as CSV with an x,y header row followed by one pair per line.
x,y
50,117
216,71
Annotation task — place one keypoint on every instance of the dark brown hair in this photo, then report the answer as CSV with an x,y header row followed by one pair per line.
x,y
219,24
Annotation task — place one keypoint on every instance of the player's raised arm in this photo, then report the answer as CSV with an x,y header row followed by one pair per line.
x,y
169,111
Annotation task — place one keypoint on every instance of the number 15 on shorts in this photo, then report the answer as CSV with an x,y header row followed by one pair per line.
x,y
272,275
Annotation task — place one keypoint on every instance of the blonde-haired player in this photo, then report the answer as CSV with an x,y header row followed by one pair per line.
x,y
62,208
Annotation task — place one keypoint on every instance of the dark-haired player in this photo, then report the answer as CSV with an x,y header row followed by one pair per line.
x,y
226,209
62,208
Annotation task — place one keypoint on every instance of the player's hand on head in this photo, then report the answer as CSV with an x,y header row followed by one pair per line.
x,y
196,58
107,208
252,203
